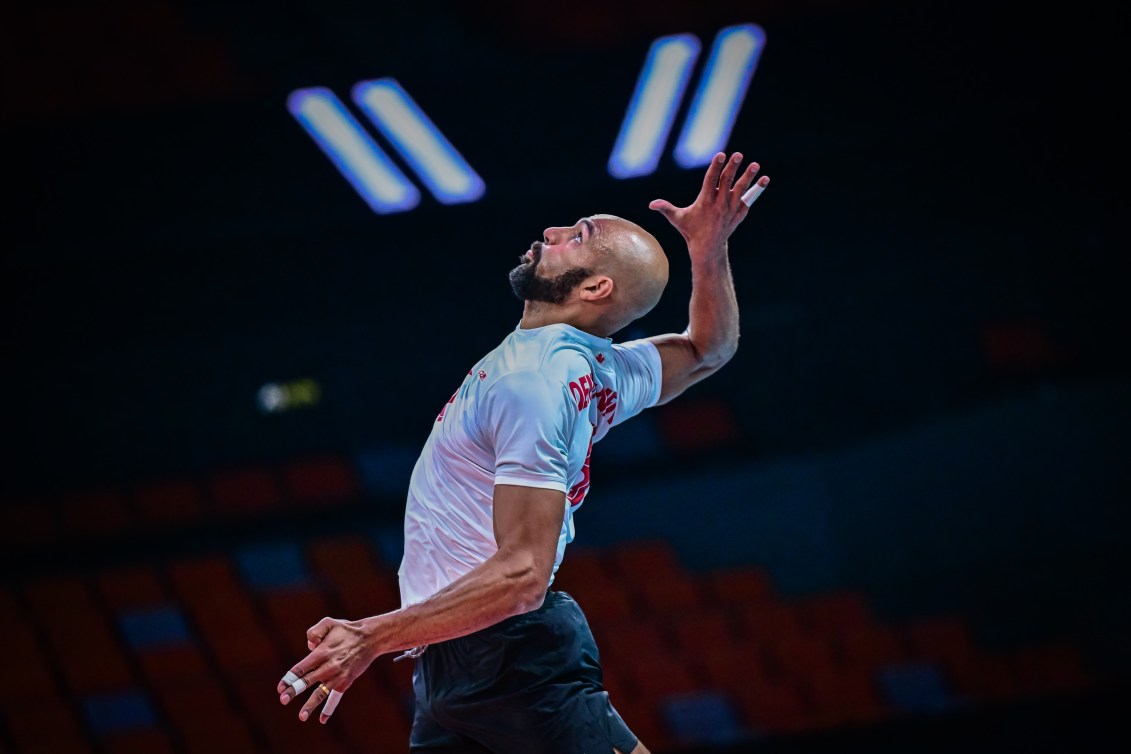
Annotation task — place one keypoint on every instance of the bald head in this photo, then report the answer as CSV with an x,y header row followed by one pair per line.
x,y
635,261
599,274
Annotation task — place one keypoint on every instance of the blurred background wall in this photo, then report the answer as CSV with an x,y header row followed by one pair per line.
x,y
220,361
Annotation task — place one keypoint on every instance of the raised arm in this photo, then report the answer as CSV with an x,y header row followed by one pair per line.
x,y
527,522
711,337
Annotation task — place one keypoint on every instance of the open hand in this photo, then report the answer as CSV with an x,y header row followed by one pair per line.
x,y
708,222
339,653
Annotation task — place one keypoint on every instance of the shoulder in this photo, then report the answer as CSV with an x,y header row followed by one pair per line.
x,y
637,357
551,351
643,349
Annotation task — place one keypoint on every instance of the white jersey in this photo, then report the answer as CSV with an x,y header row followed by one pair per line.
x,y
527,414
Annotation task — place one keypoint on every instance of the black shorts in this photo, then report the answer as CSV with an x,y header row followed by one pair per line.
x,y
528,685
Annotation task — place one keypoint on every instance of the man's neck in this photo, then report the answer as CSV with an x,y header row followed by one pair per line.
x,y
537,314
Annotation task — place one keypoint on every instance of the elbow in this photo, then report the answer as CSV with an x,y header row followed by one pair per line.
x,y
532,592
713,359
526,585
726,353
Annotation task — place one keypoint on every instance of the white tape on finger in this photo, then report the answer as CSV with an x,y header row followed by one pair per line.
x,y
752,193
331,703
289,677
299,686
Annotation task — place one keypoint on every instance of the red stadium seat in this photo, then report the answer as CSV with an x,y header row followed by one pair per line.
x,y
607,602
394,677
279,724
224,733
189,700
636,562
45,726
344,561
774,706
629,641
89,655
8,606
28,663
643,717
28,524
170,665
697,425
1050,669
79,635
730,667
292,612
138,742
654,676
615,680
693,633
244,491
582,573
321,480
100,513
362,586
940,640
674,595
801,655
198,579
983,677
131,588
845,696
169,502
766,621
739,586
871,647
55,599
835,612
371,718
371,598
223,613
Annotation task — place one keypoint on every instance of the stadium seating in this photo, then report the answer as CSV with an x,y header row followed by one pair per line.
x,y
132,656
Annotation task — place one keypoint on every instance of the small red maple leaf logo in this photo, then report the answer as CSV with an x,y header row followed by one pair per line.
x,y
600,358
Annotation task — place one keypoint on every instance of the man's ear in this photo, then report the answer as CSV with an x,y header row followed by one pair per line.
x,y
597,289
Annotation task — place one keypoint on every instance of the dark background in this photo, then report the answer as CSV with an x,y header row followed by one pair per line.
x,y
930,401
175,241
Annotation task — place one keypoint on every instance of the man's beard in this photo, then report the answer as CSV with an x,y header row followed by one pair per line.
x,y
529,287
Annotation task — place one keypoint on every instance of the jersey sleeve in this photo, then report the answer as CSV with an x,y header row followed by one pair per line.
x,y
529,417
639,377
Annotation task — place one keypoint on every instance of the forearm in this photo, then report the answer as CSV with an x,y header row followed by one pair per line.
x,y
494,591
713,312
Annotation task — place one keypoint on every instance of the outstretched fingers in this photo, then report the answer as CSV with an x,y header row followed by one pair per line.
x,y
714,170
331,705
746,180
754,191
726,179
297,681
322,693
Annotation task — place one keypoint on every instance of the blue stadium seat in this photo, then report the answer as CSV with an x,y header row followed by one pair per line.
x,y
705,717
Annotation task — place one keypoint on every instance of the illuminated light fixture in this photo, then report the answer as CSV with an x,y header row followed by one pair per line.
x,y
653,106
353,151
722,88
432,157
277,397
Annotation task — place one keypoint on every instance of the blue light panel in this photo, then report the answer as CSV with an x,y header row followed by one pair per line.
x,y
722,88
652,108
383,186
400,120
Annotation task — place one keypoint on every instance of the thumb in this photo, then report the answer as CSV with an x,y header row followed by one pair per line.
x,y
664,207
316,633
